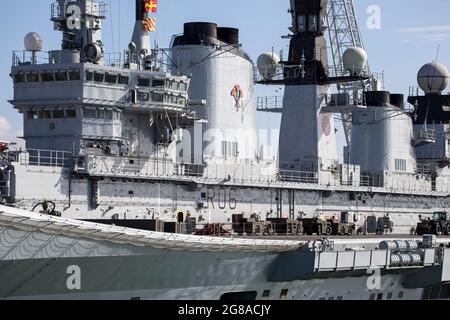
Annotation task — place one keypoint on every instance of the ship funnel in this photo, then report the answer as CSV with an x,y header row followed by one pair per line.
x,y
141,33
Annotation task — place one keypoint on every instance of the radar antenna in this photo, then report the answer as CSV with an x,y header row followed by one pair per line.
x,y
344,33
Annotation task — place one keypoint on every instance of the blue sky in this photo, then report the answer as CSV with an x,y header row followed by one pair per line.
x,y
410,33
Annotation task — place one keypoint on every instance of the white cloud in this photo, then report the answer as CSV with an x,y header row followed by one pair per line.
x,y
435,34
440,29
8,134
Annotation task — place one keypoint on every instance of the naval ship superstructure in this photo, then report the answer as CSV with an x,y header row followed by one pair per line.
x,y
146,137
152,138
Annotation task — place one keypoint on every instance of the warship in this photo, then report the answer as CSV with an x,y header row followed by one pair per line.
x,y
142,177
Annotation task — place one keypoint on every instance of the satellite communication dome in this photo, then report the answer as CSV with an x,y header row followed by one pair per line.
x,y
267,64
355,61
433,77
33,42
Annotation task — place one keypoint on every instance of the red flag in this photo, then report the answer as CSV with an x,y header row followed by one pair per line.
x,y
151,6
150,24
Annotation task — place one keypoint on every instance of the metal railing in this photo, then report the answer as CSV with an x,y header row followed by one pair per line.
x,y
274,103
298,176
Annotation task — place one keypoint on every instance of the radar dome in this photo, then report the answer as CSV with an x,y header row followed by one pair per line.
x,y
355,61
433,77
267,64
33,42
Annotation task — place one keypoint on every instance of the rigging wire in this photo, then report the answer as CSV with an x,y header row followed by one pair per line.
x,y
112,25
431,85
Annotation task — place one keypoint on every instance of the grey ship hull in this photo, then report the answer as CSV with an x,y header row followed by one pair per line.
x,y
34,264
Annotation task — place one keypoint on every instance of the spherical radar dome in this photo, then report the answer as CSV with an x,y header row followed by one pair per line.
x,y
33,42
433,77
355,60
267,64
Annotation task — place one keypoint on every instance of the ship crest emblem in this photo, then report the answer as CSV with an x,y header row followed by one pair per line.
x,y
237,94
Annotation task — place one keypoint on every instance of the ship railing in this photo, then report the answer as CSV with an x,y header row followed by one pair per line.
x,y
128,167
22,58
298,176
113,59
47,158
274,103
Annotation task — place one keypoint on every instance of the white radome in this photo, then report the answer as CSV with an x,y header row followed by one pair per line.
x,y
355,61
33,42
267,64
433,77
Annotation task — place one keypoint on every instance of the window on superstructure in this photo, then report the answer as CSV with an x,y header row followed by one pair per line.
x,y
158,83
183,86
173,85
32,115
143,82
32,77
44,114
182,101
313,23
123,79
89,76
74,75
301,20
58,114
47,76
144,96
70,113
61,76
108,114
111,78
90,113
117,115
19,78
157,97
99,77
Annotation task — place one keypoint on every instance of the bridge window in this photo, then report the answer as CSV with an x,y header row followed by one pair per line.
x,y
74,75
117,115
157,97
158,83
19,78
123,79
47,76
144,96
70,113
143,82
173,84
89,76
111,78
32,77
90,113
58,114
99,77
32,115
44,114
61,76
